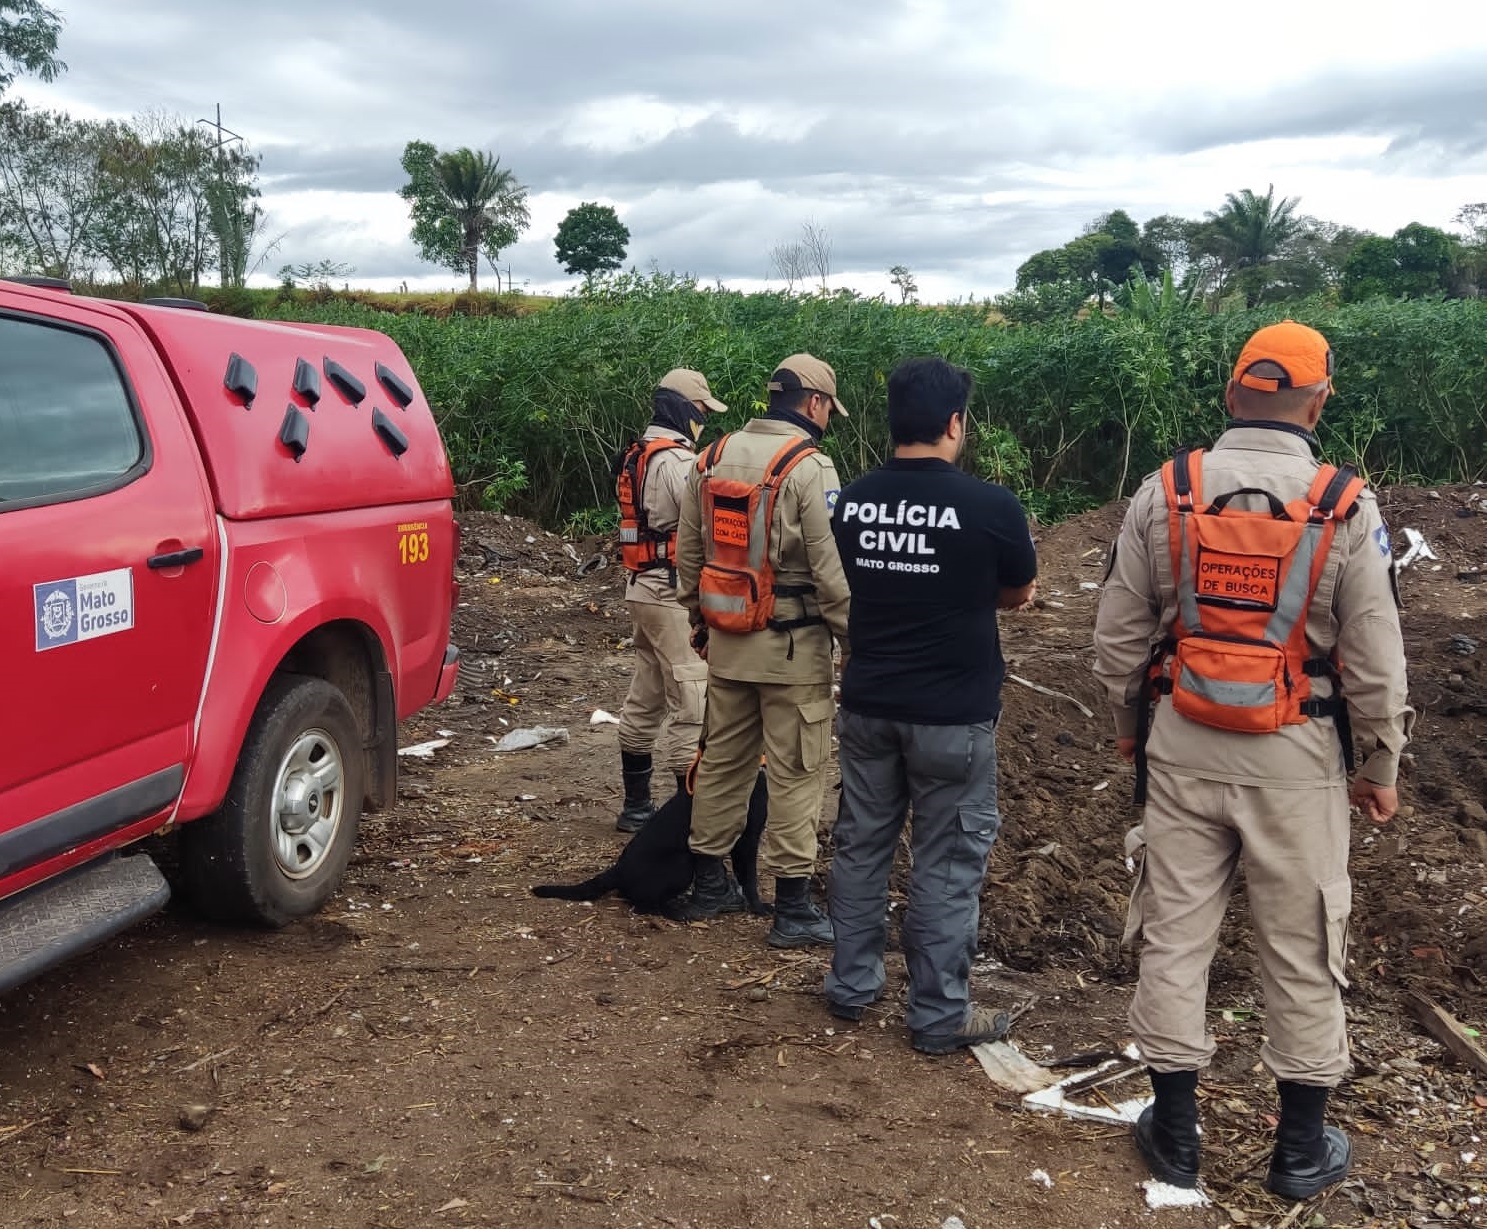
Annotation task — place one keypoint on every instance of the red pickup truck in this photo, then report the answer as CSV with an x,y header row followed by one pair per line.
x,y
228,570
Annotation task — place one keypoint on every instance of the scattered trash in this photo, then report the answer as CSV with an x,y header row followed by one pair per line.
x,y
1464,645
1060,1098
532,736
1089,586
1041,1176
951,1222
1048,691
1471,575
594,563
1161,1195
600,717
1418,550
424,751
1100,786
1008,1067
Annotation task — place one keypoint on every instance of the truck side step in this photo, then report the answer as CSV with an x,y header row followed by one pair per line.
x,y
62,918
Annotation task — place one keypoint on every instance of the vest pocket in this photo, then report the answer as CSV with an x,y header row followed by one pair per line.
x,y
1337,907
729,599
1231,684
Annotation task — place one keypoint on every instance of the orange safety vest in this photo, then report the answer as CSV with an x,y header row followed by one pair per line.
x,y
642,549
736,589
1237,657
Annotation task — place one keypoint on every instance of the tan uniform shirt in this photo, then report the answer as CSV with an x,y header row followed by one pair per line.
x,y
1353,611
665,480
802,552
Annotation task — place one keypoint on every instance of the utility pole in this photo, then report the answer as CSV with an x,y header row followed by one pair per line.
x,y
225,137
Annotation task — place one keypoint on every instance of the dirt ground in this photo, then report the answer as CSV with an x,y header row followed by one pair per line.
x,y
440,1047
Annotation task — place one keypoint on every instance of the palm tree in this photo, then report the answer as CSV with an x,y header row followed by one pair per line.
x,y
486,202
1249,232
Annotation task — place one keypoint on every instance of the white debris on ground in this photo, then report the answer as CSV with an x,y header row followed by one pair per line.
x,y
1418,550
424,751
1041,1177
1160,1195
532,736
600,717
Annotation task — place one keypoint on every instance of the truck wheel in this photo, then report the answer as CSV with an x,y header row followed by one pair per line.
x,y
278,846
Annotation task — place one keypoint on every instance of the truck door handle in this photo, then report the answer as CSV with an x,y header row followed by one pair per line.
x,y
175,559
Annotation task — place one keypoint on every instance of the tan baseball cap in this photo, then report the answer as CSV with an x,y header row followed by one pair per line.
x,y
693,386
807,371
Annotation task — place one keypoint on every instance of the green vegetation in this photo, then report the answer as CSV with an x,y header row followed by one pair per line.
x,y
28,41
465,205
1071,412
591,239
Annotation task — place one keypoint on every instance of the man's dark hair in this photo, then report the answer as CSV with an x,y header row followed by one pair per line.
x,y
791,399
923,395
793,396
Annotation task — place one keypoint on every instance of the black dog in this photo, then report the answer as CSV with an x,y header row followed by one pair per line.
x,y
654,871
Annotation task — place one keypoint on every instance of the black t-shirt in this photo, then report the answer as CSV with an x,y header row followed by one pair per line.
x,y
927,549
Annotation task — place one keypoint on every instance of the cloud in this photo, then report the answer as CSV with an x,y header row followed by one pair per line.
x,y
955,136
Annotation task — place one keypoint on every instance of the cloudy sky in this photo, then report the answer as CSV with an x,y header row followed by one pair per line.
x,y
953,136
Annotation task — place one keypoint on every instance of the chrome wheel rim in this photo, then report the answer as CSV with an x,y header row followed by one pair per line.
x,y
309,800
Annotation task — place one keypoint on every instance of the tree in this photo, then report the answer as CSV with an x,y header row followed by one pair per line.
x,y
1417,261
816,244
28,41
908,288
591,239
175,205
1168,238
788,262
1246,236
318,274
1473,262
1043,269
464,205
51,189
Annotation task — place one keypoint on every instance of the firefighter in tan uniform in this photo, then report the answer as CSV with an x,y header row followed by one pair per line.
x,y
758,566
1250,603
663,709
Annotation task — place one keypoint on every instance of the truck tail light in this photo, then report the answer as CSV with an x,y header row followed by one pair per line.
x,y
454,563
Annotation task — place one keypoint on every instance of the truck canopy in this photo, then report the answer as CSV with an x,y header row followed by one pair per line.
x,y
337,411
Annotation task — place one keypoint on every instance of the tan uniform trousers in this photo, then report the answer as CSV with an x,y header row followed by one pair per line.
x,y
790,723
668,691
1293,845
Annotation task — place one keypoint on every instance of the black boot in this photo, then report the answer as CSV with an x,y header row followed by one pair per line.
x,y
1309,1155
636,770
1167,1131
713,891
797,921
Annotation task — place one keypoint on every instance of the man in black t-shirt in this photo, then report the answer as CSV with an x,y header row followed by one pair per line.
x,y
931,554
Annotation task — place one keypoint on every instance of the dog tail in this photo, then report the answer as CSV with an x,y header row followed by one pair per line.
x,y
590,889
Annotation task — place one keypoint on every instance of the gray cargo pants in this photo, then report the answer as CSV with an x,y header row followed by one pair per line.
x,y
948,774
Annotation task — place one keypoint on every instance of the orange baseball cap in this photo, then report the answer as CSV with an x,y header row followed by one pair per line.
x,y
1284,355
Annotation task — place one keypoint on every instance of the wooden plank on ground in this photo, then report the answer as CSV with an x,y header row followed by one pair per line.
x,y
1449,1031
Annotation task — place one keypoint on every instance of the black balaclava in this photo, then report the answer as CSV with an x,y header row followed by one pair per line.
x,y
671,410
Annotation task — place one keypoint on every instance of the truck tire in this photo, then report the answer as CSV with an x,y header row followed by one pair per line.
x,y
277,848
